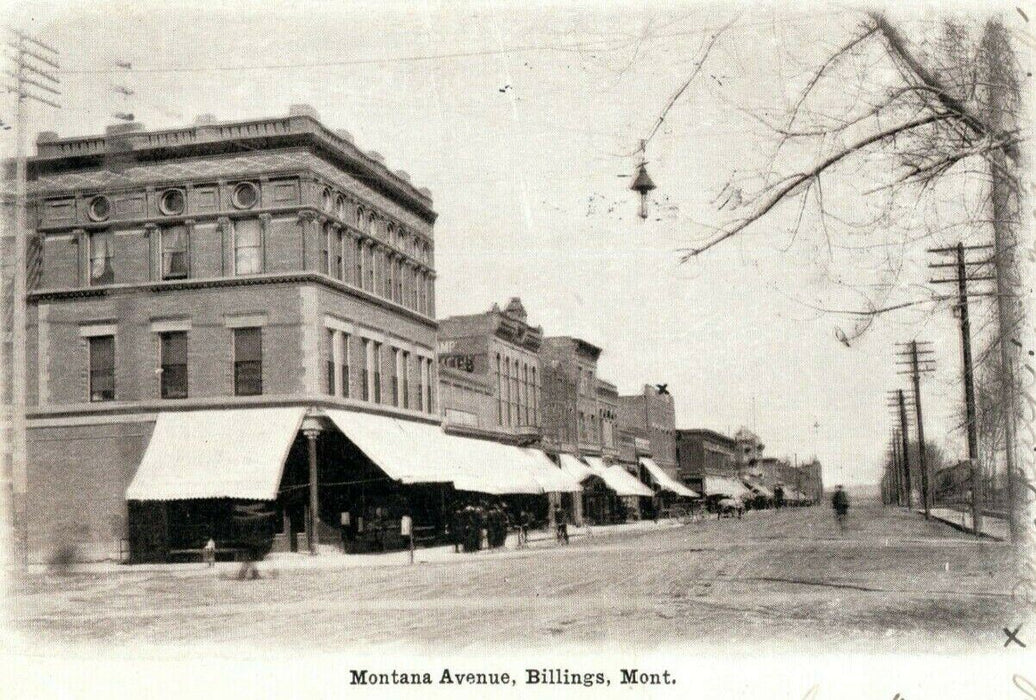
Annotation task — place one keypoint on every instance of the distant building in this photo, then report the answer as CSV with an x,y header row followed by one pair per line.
x,y
489,374
748,447
574,398
701,452
652,414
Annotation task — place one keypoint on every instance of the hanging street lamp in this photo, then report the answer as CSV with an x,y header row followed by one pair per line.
x,y
642,182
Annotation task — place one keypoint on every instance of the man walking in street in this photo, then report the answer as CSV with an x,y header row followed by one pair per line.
x,y
840,503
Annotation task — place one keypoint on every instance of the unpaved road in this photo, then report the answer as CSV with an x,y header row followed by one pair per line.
x,y
893,583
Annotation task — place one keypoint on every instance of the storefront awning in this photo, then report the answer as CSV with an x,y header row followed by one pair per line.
x,y
413,452
759,489
487,467
229,453
623,483
664,481
550,477
574,468
407,451
724,486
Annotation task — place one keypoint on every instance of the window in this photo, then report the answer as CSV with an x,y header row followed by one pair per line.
x,y
331,361
398,296
431,387
386,290
394,373
344,365
174,365
340,255
406,379
245,196
369,267
102,368
499,393
376,352
325,253
248,244
100,208
359,263
174,253
366,369
172,202
101,271
248,361
422,382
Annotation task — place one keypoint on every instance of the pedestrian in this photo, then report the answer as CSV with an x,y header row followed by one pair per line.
x,y
778,496
840,503
208,552
523,528
561,524
457,529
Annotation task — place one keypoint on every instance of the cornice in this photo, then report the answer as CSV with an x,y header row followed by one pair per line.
x,y
46,295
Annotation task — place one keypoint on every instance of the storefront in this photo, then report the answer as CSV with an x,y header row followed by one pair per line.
x,y
251,478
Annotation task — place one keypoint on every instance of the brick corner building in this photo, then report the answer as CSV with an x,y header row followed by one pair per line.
x,y
236,276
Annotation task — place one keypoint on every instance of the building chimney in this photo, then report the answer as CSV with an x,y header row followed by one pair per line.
x,y
205,119
303,110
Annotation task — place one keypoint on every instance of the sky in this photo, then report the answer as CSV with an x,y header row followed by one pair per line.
x,y
523,120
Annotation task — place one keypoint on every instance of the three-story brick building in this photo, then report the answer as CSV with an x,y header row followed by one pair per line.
x,y
226,268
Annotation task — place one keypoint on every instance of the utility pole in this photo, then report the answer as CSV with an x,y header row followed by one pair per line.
x,y
33,65
916,366
898,405
898,464
1003,162
961,279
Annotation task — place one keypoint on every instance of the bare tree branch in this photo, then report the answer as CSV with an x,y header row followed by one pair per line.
x,y
796,181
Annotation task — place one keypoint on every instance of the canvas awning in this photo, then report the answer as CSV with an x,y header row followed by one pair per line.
x,y
413,452
407,451
574,468
226,453
724,486
550,477
623,483
664,481
488,467
759,489
618,479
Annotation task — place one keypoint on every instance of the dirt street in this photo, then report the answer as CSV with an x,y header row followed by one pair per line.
x,y
893,583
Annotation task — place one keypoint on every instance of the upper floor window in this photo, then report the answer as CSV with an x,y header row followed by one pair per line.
x,y
101,270
102,368
174,253
327,247
172,202
174,365
245,195
331,365
248,247
248,361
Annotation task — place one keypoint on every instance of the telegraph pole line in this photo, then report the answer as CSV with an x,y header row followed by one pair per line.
x,y
961,279
32,73
897,403
918,361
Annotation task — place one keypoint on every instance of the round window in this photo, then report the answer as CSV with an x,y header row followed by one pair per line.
x,y
172,202
245,195
100,208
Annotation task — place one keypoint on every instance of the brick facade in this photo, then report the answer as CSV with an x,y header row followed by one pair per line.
x,y
285,227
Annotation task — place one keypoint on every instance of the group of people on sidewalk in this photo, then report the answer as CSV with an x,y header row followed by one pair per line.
x,y
476,527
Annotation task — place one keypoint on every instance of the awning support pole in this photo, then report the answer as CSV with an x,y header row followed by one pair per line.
x,y
314,503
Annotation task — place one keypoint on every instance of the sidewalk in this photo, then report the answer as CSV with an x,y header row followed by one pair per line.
x,y
331,557
992,527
